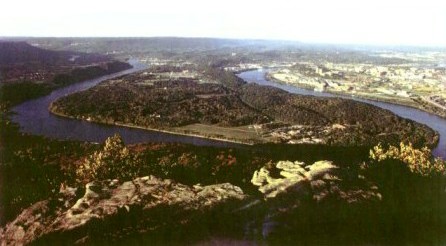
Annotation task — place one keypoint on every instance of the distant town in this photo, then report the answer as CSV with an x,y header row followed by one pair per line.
x,y
419,83
414,79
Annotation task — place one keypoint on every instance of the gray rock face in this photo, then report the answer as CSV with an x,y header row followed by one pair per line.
x,y
320,179
293,190
105,200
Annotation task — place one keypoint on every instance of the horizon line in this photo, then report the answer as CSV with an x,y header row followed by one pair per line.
x,y
232,38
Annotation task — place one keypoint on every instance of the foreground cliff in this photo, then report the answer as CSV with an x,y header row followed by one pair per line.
x,y
149,209
117,210
118,199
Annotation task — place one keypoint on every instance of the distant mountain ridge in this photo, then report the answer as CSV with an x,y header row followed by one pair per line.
x,y
109,45
27,71
17,52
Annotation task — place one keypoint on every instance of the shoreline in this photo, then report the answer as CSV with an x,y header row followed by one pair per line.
x,y
152,129
371,98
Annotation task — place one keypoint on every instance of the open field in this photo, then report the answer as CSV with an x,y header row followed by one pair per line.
x,y
245,134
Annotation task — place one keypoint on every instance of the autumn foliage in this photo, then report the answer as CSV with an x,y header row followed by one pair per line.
x,y
113,161
419,161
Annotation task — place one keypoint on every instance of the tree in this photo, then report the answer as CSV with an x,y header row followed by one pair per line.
x,y
419,161
113,161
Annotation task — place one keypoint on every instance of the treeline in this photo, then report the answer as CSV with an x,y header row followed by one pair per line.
x,y
90,72
12,94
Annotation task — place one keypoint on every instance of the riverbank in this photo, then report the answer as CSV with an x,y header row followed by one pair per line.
x,y
12,94
409,102
168,131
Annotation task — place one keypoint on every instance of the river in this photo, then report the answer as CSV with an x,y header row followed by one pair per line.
x,y
431,120
34,118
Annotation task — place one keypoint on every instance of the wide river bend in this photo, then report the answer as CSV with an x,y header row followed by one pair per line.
x,y
34,118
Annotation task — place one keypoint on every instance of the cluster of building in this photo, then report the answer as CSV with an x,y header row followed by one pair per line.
x,y
243,67
298,134
392,80
25,74
437,101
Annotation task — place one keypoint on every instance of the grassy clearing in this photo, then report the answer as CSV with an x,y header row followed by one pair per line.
x,y
244,134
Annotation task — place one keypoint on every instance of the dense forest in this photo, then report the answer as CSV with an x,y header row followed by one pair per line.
x,y
90,72
172,102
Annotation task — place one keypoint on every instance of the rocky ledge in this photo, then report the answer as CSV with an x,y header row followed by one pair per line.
x,y
299,197
152,210
67,218
321,179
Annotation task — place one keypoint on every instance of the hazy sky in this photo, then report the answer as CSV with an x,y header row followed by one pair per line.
x,y
418,22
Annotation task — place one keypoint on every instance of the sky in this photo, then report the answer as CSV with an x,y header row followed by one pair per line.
x,y
379,22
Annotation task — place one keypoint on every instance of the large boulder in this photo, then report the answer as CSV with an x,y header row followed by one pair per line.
x,y
320,179
296,195
69,219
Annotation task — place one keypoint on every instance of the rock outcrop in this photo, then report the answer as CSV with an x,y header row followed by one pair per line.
x,y
296,194
66,218
321,179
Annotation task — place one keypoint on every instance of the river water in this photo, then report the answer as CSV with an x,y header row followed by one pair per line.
x,y
34,118
431,120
